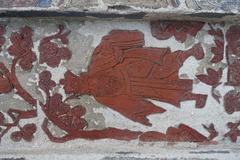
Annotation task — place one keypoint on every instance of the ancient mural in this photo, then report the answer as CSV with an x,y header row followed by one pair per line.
x,y
225,5
123,74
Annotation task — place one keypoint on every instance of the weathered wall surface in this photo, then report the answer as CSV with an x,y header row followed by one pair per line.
x,y
210,10
114,89
224,5
120,79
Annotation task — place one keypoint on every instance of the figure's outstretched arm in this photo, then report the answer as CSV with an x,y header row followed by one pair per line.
x,y
196,51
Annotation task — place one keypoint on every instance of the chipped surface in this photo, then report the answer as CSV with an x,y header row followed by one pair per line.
x,y
210,10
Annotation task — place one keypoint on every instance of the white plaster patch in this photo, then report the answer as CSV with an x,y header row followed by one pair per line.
x,y
189,68
57,73
16,96
208,39
115,119
98,29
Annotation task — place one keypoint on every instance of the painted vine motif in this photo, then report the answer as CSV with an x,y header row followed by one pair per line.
x,y
115,79
232,98
22,55
163,30
213,76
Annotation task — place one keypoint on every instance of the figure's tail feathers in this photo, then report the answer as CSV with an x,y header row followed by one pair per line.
x,y
145,110
199,98
133,108
184,133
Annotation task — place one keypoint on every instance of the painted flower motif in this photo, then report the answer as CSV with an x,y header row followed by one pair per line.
x,y
45,82
78,122
21,48
26,133
51,53
218,50
232,102
163,30
234,132
212,78
17,136
234,73
68,119
56,107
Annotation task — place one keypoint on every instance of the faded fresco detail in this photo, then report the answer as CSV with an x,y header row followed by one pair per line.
x,y
134,73
163,30
232,98
226,5
24,3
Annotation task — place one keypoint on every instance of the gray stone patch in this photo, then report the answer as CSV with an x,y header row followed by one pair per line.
x,y
81,4
28,81
12,100
144,3
210,152
80,46
17,3
135,158
12,159
95,120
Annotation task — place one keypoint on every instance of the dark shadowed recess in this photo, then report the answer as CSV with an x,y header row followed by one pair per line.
x,y
34,13
12,159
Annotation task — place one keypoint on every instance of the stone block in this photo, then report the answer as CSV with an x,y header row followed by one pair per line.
x,y
144,3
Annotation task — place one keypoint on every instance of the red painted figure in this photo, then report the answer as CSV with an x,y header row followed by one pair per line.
x,y
123,74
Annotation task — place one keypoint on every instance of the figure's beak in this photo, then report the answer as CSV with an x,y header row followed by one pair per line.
x,y
68,82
